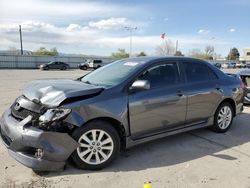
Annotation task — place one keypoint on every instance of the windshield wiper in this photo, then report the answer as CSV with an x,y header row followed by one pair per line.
x,y
87,82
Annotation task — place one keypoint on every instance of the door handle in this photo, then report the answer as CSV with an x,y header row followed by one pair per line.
x,y
179,93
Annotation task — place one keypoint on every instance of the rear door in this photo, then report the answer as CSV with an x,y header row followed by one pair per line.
x,y
202,90
53,65
162,107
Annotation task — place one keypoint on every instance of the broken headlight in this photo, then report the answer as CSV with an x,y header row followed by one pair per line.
x,y
54,114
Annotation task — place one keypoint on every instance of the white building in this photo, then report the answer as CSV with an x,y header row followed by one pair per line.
x,y
246,54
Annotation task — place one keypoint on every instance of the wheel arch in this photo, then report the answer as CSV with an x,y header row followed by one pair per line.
x,y
117,125
231,102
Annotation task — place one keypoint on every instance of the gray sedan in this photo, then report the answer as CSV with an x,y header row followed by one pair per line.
x,y
118,106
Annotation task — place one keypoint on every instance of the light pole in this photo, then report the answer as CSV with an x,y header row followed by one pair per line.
x,y
130,29
21,40
213,39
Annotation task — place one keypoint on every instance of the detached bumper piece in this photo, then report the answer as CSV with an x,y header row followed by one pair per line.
x,y
33,147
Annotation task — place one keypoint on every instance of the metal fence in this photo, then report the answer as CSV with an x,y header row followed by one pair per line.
x,y
31,62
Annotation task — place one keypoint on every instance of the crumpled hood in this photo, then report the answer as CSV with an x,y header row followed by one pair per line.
x,y
52,92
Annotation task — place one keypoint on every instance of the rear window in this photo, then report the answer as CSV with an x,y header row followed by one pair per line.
x,y
196,72
212,74
97,61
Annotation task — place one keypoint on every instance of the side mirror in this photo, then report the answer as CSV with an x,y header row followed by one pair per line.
x,y
140,85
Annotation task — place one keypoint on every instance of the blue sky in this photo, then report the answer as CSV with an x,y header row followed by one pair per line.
x,y
97,27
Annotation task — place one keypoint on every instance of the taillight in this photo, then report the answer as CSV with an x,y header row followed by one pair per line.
x,y
242,85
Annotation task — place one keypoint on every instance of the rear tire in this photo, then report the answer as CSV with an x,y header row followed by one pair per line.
x,y
64,68
223,118
100,144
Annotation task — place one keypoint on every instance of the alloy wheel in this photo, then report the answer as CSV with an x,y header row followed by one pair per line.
x,y
96,147
224,117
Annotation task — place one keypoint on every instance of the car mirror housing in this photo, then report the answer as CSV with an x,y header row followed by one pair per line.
x,y
140,85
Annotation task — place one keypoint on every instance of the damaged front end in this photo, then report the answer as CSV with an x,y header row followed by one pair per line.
x,y
36,135
36,128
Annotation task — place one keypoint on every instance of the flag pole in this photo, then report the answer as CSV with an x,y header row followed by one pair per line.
x,y
176,46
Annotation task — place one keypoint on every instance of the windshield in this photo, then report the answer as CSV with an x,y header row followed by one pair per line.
x,y
113,73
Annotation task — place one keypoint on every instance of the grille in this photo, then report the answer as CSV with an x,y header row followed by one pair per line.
x,y
23,113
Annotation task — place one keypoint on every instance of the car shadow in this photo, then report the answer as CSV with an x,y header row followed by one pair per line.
x,y
177,149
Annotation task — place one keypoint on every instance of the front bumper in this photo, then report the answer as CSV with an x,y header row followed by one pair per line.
x,y
22,141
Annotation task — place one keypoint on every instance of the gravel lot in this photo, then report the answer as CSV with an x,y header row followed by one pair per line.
x,y
195,159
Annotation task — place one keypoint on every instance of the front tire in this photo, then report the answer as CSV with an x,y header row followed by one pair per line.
x,y
99,145
84,67
223,118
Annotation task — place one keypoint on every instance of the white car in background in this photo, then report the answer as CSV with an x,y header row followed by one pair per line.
x,y
240,65
231,65
224,66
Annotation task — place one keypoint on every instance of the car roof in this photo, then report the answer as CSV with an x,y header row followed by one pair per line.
x,y
148,60
158,58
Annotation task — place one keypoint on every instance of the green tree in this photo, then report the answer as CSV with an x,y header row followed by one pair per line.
x,y
42,51
178,53
120,54
233,54
141,54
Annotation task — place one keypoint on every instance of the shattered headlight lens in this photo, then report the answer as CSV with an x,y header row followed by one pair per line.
x,y
54,114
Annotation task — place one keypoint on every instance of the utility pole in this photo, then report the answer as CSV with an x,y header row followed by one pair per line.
x,y
21,40
213,39
176,47
130,29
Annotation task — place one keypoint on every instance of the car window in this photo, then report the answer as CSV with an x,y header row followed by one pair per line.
x,y
161,75
212,74
196,71
97,61
113,73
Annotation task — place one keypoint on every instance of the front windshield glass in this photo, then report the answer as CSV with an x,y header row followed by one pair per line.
x,y
113,73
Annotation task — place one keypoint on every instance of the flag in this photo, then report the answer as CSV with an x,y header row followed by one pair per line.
x,y
163,35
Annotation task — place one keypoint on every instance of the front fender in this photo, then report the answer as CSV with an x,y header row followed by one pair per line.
x,y
112,107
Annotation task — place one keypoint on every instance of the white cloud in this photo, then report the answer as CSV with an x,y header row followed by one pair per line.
x,y
232,30
111,23
73,27
61,11
166,19
203,31
75,38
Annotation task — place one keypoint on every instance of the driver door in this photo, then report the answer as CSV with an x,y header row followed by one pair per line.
x,y
162,107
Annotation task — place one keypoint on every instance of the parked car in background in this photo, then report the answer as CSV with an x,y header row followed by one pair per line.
x,y
91,64
230,65
54,65
245,77
118,106
224,65
84,66
240,65
216,64
248,65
